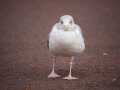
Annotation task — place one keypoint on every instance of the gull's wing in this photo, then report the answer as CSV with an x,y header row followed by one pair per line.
x,y
48,41
79,28
80,31
52,30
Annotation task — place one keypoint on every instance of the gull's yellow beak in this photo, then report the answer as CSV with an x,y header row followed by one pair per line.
x,y
65,27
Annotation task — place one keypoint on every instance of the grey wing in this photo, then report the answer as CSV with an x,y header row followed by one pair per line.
x,y
48,41
79,28
53,28
80,31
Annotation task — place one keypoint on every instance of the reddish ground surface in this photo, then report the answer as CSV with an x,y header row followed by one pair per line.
x,y
24,58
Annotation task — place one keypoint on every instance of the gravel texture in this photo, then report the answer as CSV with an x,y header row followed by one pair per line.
x,y
25,60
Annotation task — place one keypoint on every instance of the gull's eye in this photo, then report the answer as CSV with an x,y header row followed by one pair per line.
x,y
71,22
61,22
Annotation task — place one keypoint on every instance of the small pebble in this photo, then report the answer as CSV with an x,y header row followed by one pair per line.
x,y
105,53
114,80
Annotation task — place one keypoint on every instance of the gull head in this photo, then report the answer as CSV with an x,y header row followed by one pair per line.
x,y
66,22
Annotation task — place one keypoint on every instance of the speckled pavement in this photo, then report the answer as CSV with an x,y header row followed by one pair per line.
x,y
25,60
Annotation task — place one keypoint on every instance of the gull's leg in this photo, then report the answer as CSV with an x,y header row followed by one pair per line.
x,y
69,77
53,74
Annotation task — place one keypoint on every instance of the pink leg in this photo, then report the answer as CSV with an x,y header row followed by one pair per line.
x,y
53,74
69,77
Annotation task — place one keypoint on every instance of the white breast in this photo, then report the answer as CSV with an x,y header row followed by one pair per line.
x,y
66,43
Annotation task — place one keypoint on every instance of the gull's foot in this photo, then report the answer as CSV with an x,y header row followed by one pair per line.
x,y
53,75
69,77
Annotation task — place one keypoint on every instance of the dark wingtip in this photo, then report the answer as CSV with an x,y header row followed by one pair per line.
x,y
48,41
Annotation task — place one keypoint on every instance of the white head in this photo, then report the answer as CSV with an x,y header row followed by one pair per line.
x,y
66,22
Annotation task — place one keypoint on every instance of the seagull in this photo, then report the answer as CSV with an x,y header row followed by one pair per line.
x,y
66,40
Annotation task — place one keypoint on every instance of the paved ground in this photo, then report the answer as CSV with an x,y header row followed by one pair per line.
x,y
25,61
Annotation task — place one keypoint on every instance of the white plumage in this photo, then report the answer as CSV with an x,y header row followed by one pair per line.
x,y
65,39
